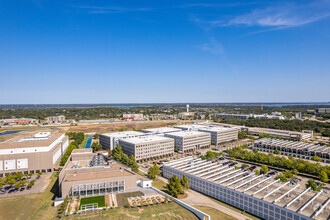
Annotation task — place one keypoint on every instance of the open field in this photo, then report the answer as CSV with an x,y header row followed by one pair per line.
x,y
96,199
214,213
163,212
117,126
33,206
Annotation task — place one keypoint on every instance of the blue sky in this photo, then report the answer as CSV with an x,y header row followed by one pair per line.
x,y
164,51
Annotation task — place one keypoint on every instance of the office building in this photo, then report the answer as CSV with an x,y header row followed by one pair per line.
x,y
91,174
55,119
299,136
186,141
111,140
32,153
323,110
293,148
223,115
220,134
262,195
133,117
191,127
148,147
160,131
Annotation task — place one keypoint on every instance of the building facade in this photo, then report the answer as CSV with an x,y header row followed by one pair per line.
x,y
299,136
293,148
36,153
90,174
55,119
111,140
148,147
186,141
134,117
221,135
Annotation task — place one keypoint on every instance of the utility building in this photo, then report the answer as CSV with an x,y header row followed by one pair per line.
x,y
190,140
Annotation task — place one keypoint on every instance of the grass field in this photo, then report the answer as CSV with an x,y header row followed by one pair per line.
x,y
162,212
96,199
159,184
33,206
214,213
122,197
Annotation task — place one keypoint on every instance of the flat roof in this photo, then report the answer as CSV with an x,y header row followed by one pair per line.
x,y
187,133
197,126
124,134
216,129
161,130
97,175
146,139
29,140
246,182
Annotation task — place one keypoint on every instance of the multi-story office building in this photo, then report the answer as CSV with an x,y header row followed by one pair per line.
x,y
191,127
55,119
293,148
148,147
135,117
40,152
220,134
190,140
110,140
89,174
323,110
262,195
299,136
160,131
232,116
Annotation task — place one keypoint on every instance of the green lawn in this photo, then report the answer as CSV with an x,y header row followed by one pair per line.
x,y
122,197
83,144
214,213
158,212
96,199
159,184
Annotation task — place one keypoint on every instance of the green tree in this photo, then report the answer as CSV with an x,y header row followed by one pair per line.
x,y
133,164
317,158
96,146
174,186
264,169
184,182
324,176
210,154
276,151
242,134
257,172
96,136
311,183
18,175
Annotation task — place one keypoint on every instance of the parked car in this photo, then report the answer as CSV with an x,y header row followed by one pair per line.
x,y
21,189
252,168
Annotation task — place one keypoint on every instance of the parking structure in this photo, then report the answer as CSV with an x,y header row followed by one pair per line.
x,y
260,195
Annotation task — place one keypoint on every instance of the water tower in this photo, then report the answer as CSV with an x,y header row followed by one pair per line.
x,y
187,108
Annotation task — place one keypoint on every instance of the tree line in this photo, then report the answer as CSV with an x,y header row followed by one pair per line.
x,y
118,154
290,163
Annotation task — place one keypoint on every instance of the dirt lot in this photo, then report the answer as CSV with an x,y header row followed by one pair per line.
x,y
103,128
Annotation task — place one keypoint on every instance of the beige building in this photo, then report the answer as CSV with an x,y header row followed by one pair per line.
x,y
160,131
110,140
220,134
91,174
296,135
148,147
55,119
32,153
190,140
135,117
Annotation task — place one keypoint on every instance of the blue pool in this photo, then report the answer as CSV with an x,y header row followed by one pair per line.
x,y
9,132
88,143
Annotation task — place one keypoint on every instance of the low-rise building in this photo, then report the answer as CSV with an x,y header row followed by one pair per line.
x,y
323,110
261,195
293,148
186,141
223,115
55,119
148,147
110,140
17,121
91,174
32,153
191,127
299,136
133,117
160,131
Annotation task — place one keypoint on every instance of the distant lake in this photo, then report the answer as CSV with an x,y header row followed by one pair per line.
x,y
10,132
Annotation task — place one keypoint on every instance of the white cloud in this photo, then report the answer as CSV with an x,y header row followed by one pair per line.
x,y
283,16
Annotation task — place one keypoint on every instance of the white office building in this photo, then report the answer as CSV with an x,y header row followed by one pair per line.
x,y
190,140
110,140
